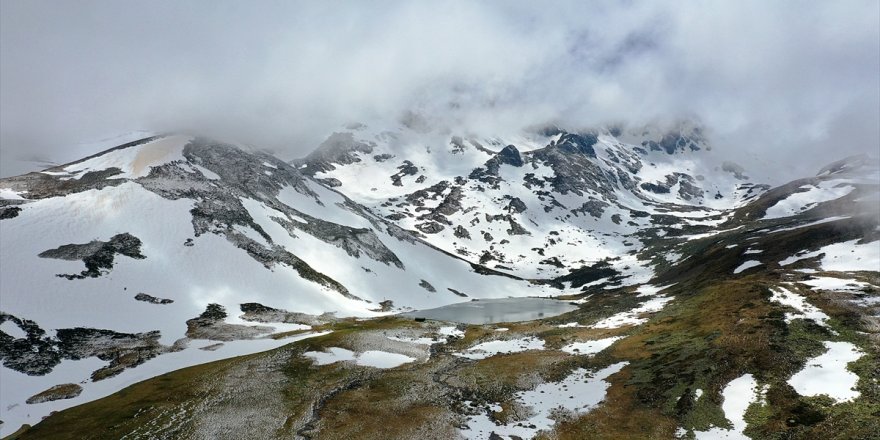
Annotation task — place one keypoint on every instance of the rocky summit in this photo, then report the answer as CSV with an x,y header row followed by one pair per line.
x,y
383,286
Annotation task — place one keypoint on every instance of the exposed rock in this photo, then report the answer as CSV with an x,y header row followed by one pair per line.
x,y
97,255
427,286
593,207
339,148
404,169
430,227
516,228
7,212
331,182
58,392
152,299
122,350
210,325
461,294
34,355
516,206
461,232
259,313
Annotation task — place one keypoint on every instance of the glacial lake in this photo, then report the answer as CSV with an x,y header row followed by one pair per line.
x,y
491,311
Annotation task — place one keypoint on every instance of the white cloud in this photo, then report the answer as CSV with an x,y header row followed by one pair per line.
x,y
767,78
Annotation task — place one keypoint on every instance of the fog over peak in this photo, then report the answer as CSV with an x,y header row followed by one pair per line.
x,y
791,84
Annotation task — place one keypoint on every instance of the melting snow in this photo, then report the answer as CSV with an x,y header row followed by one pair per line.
x,y
631,317
372,358
827,373
382,359
491,348
578,393
738,395
799,303
451,332
590,347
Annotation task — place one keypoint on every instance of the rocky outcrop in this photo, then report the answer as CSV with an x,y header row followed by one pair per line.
x,y
98,256
152,299
210,325
339,148
58,392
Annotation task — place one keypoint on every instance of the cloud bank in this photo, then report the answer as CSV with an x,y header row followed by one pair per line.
x,y
786,82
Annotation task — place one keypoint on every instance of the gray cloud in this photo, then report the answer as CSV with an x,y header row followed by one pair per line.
x,y
790,84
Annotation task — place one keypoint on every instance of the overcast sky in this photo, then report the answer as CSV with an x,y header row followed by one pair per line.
x,y
795,83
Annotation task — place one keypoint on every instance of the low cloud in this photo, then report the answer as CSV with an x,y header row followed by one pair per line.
x,y
789,83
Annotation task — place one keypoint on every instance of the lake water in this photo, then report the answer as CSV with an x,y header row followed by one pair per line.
x,y
490,311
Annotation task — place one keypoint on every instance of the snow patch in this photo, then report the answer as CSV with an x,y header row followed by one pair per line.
x,y
747,265
492,348
738,395
577,394
804,309
827,373
590,347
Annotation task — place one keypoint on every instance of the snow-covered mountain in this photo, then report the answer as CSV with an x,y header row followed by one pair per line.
x,y
152,246
538,204
173,250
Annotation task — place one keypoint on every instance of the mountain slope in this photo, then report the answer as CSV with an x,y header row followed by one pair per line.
x,y
685,306
122,251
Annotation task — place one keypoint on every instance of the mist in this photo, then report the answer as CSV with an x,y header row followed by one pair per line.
x,y
788,84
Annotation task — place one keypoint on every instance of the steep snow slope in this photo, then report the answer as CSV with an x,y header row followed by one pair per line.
x,y
140,250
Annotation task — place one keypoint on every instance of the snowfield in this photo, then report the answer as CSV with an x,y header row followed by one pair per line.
x,y
811,196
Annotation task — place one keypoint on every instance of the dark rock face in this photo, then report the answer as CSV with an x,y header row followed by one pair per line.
x,y
427,286
510,155
587,274
404,169
516,206
593,207
122,350
37,354
676,142
461,294
7,212
430,227
571,161
382,157
489,173
34,355
152,299
331,182
577,144
688,188
339,148
97,255
461,232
